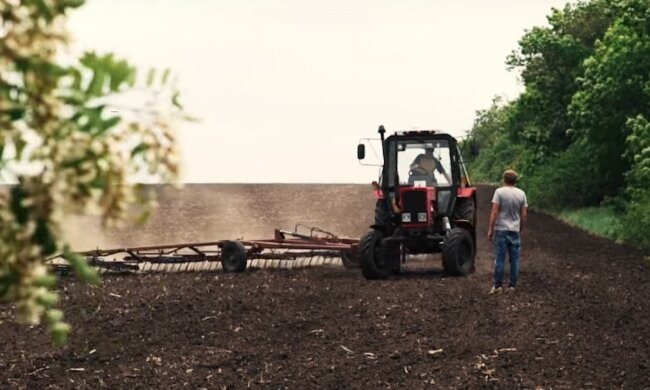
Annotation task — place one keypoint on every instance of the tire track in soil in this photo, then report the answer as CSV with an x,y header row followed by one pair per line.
x,y
579,319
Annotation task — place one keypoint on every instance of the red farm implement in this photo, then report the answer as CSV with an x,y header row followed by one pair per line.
x,y
311,245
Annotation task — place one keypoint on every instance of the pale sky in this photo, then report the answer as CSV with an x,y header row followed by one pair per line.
x,y
285,89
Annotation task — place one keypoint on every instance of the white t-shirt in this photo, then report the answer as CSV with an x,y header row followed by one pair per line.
x,y
510,200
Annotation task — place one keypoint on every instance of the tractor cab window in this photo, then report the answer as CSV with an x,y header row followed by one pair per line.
x,y
423,163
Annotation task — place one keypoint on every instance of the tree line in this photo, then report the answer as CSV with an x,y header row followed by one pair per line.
x,y
579,134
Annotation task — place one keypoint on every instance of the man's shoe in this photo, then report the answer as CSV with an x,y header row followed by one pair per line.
x,y
510,290
495,290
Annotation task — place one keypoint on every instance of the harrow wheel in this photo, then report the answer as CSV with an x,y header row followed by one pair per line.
x,y
233,256
458,253
351,259
376,261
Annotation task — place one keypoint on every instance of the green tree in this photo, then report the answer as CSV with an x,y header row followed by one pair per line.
x,y
71,138
637,216
615,87
497,149
550,60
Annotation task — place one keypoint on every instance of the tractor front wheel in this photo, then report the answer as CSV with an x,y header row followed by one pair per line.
x,y
233,256
458,253
375,261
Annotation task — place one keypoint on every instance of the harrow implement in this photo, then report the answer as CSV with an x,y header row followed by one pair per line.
x,y
304,246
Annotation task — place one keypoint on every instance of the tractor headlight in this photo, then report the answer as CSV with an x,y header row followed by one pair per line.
x,y
406,217
422,217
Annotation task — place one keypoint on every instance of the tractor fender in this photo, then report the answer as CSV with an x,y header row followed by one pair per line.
x,y
467,192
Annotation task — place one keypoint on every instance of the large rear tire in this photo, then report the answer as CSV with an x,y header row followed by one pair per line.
x,y
233,256
458,253
375,261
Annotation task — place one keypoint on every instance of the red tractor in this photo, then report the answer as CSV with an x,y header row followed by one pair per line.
x,y
425,204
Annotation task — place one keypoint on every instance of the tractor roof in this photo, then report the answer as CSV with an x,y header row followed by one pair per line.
x,y
416,134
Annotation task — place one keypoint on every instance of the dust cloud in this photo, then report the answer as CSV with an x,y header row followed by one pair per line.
x,y
212,212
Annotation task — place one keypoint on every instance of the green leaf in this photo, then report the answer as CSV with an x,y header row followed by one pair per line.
x,y
110,122
46,281
60,331
165,75
73,3
98,182
6,281
120,72
93,115
130,80
53,316
141,148
75,97
15,113
89,60
150,76
44,10
96,86
19,144
16,204
44,238
175,100
47,299
81,267
76,79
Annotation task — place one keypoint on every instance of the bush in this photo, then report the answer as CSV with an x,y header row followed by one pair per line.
x,y
637,221
569,179
491,163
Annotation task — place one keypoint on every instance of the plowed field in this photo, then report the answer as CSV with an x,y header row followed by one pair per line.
x,y
579,319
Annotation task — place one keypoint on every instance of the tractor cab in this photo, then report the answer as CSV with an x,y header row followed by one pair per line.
x,y
424,203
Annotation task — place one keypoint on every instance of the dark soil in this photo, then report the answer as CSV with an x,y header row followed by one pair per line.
x,y
579,319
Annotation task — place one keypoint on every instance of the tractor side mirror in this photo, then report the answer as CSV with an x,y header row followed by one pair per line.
x,y
361,151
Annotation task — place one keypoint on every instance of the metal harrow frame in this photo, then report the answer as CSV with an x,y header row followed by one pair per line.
x,y
310,246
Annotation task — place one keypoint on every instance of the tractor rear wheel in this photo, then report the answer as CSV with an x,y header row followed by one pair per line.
x,y
458,253
376,262
350,259
233,256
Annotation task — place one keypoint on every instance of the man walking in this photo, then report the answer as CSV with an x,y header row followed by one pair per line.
x,y
507,220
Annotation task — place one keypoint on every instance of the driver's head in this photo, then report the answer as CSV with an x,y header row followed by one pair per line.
x,y
428,151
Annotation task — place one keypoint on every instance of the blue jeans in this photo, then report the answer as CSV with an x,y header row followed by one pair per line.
x,y
510,242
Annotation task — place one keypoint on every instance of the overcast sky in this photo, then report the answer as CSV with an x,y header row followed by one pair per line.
x,y
285,89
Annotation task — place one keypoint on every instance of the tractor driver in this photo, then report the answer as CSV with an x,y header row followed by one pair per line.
x,y
425,164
